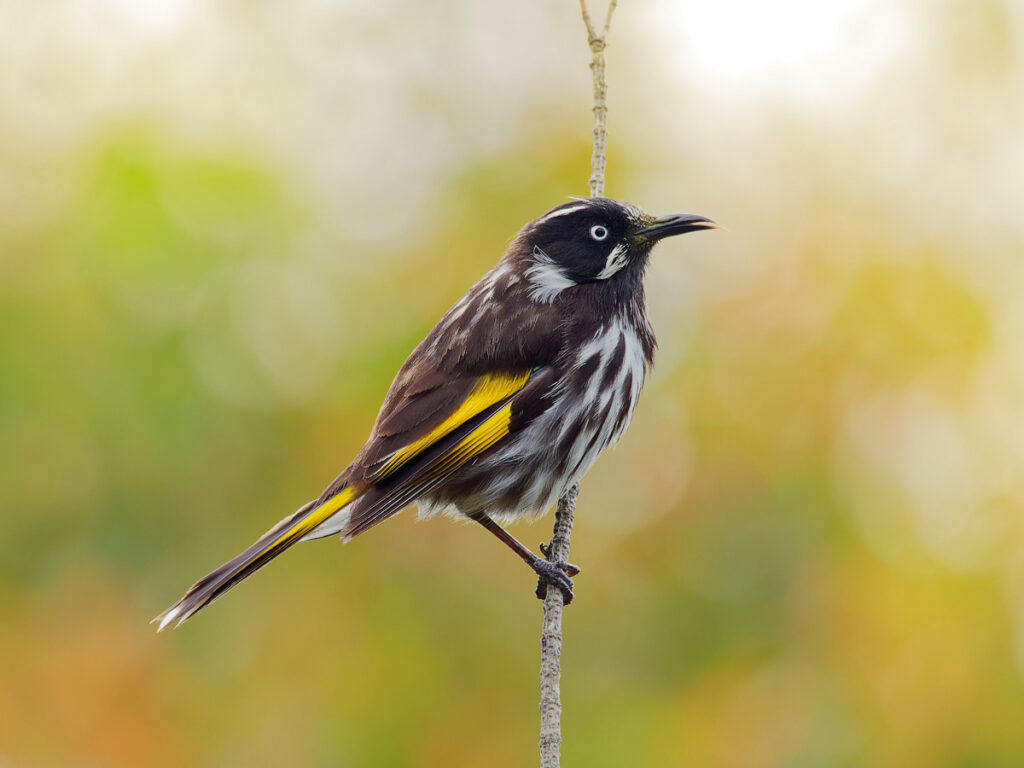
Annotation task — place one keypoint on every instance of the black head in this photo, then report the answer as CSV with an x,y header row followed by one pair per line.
x,y
596,239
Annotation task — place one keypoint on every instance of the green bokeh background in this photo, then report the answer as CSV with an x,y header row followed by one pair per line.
x,y
223,228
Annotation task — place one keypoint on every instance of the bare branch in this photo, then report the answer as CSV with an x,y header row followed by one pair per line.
x,y
558,549
551,639
608,19
598,159
586,20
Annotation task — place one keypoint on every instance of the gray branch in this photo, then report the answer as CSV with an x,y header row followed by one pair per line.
x,y
598,158
551,639
558,549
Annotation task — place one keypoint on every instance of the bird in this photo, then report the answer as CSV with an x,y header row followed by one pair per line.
x,y
507,402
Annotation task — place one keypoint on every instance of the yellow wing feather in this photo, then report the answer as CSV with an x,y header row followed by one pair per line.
x,y
313,519
488,390
477,441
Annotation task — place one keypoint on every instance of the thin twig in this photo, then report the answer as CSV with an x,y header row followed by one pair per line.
x,y
591,34
551,639
558,549
598,159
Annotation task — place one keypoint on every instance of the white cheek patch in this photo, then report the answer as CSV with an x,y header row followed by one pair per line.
x,y
546,279
617,259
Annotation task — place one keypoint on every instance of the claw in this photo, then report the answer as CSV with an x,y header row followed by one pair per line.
x,y
569,568
557,574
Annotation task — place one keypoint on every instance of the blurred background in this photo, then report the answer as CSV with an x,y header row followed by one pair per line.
x,y
224,225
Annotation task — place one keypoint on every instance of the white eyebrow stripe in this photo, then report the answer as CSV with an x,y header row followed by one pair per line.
x,y
562,212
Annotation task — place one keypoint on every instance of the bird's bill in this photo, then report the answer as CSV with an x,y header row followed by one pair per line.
x,y
677,224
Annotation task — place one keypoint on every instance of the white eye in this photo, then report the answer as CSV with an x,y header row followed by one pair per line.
x,y
598,232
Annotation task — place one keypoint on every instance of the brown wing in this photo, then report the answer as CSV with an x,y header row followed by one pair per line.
x,y
441,458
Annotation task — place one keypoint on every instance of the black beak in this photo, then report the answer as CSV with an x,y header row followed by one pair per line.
x,y
680,223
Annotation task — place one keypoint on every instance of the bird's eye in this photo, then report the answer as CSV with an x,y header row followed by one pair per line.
x,y
598,232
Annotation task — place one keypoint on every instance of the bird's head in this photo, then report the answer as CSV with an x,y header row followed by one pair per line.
x,y
595,239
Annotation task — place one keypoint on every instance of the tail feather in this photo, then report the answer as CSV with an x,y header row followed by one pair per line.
x,y
292,529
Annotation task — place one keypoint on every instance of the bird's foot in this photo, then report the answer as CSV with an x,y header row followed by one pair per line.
x,y
555,574
569,568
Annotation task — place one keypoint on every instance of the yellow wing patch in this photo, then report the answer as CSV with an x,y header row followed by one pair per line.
x,y
477,441
487,391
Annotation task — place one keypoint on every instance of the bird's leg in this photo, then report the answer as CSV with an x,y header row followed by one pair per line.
x,y
549,573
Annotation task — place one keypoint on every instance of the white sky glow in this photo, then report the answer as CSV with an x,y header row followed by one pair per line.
x,y
801,47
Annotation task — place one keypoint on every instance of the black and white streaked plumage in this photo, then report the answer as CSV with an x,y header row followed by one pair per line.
x,y
510,398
